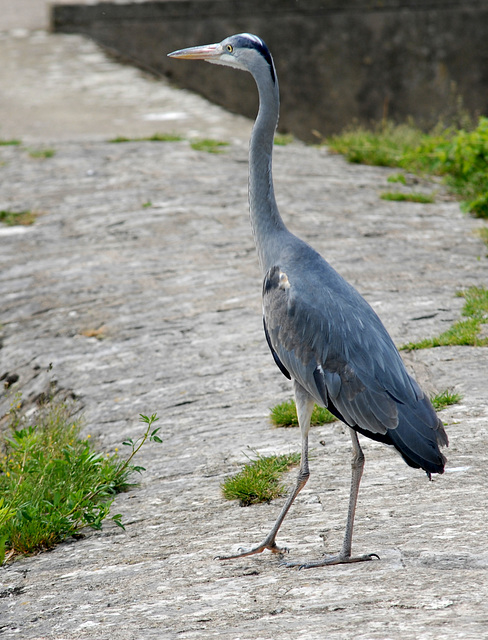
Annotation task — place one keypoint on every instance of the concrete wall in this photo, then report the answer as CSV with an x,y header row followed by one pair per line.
x,y
336,61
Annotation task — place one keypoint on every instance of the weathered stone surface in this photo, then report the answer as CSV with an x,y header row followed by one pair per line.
x,y
176,288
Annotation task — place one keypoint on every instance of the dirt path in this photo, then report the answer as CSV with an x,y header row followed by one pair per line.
x,y
176,288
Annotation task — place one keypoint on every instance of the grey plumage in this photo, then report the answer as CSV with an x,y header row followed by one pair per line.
x,y
323,335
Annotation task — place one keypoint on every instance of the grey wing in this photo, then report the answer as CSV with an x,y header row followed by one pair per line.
x,y
332,342
325,344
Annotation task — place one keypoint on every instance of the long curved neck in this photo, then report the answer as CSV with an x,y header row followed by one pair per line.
x,y
266,221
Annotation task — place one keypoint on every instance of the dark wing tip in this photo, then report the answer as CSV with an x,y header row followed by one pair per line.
x,y
279,364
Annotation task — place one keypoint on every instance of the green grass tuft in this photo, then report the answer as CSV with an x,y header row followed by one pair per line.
x,y
397,177
462,332
119,139
259,480
384,146
156,137
10,143
445,399
285,415
42,153
398,196
53,483
12,218
209,145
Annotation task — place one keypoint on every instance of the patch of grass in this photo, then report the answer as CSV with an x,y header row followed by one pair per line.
x,y
53,483
42,153
445,399
399,196
397,177
285,415
259,480
384,146
459,155
462,332
12,218
147,204
10,143
156,137
209,145
282,139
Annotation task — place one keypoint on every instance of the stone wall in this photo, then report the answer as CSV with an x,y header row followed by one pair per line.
x,y
337,61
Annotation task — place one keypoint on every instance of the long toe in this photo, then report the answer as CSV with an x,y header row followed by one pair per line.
x,y
330,560
242,553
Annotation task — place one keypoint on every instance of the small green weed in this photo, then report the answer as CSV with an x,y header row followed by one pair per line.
x,y
462,332
445,399
147,204
10,143
209,145
42,153
285,415
282,139
259,480
53,483
12,218
399,196
156,137
397,177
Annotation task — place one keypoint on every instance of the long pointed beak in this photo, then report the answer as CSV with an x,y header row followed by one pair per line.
x,y
205,52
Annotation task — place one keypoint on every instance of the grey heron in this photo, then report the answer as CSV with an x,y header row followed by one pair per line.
x,y
322,333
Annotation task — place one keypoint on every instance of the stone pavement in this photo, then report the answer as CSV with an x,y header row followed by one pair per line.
x,y
149,244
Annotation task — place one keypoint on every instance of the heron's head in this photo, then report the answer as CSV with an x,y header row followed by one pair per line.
x,y
242,51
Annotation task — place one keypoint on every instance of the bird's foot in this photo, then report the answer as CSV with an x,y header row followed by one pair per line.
x,y
340,558
266,544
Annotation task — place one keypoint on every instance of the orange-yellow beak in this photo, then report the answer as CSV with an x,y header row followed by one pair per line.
x,y
206,52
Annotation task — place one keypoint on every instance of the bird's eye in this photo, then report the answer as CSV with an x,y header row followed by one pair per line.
x,y
230,48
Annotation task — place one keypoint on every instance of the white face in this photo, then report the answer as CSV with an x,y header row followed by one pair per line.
x,y
246,51
234,54
243,51
227,56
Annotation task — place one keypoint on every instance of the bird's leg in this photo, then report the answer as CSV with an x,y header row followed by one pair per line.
x,y
305,405
357,466
344,556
